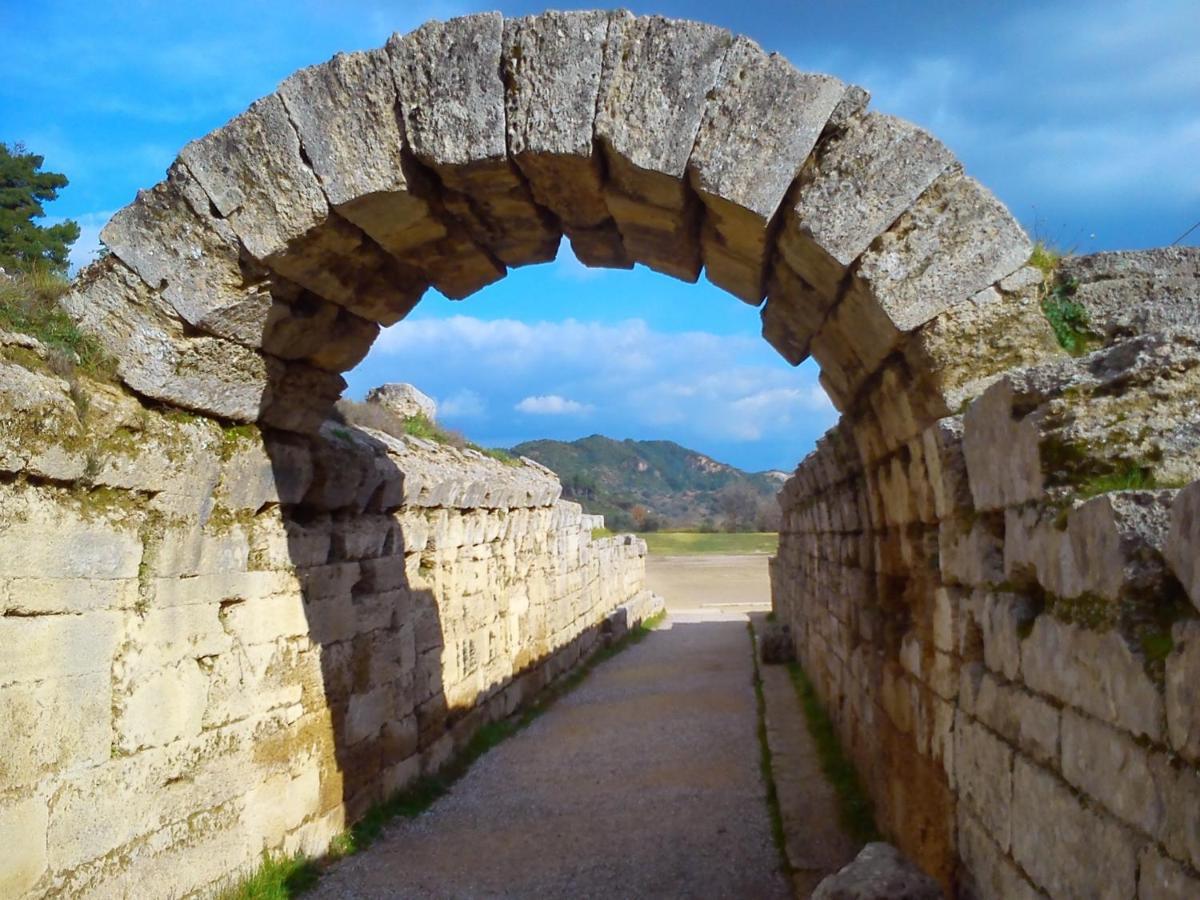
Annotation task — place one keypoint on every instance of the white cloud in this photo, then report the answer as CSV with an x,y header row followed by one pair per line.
x,y
632,379
551,405
462,404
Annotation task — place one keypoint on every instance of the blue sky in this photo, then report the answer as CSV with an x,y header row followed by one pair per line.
x,y
1084,117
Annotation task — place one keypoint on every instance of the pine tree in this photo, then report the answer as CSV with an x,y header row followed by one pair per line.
x,y
23,188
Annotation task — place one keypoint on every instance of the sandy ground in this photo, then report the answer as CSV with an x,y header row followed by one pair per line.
x,y
711,582
643,782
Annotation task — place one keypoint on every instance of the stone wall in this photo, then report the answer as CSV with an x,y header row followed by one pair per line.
x,y
1001,614
219,641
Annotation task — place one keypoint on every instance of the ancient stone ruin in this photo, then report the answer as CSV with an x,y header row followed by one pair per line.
x,y
231,623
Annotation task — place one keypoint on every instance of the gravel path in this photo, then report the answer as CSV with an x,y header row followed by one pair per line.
x,y
643,782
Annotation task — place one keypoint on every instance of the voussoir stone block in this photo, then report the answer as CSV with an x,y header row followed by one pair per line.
x,y
653,94
762,120
955,240
154,354
552,67
793,313
853,191
170,237
448,75
253,171
345,112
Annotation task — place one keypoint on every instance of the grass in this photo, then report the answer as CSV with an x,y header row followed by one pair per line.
x,y
765,762
1067,317
854,807
678,543
281,878
1128,477
29,305
373,415
598,533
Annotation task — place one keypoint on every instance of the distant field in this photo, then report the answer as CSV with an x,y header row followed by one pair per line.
x,y
676,543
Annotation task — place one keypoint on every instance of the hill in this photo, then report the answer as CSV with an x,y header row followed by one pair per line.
x,y
646,485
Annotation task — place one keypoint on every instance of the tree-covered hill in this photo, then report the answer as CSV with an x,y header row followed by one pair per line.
x,y
657,484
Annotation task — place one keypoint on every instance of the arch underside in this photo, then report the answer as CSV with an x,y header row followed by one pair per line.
x,y
266,262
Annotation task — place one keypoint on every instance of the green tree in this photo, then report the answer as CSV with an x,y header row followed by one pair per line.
x,y
23,188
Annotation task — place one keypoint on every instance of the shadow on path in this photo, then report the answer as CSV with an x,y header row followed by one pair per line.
x,y
643,782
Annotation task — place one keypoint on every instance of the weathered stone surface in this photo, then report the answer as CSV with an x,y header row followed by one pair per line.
x,y
989,872
1135,292
1057,831
879,871
345,113
253,172
1094,671
761,122
955,240
39,424
1161,878
657,74
1183,540
1110,767
1025,720
155,356
23,837
552,65
854,190
448,75
1183,691
171,239
793,314
983,774
403,400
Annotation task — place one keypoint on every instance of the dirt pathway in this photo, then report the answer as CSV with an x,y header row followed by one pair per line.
x,y
643,782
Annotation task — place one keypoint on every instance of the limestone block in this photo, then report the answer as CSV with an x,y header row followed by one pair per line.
x,y
1057,831
970,553
1179,786
143,455
170,237
853,191
23,861
52,725
448,75
42,537
154,354
963,349
253,171
1019,717
1161,878
1183,540
1109,767
956,240
879,871
189,549
39,425
988,869
792,314
1001,449
279,804
265,619
552,65
163,704
983,767
300,397
261,678
947,467
1116,543
368,713
1183,691
1001,618
247,479
1093,671
403,400
1135,292
760,123
57,646
656,77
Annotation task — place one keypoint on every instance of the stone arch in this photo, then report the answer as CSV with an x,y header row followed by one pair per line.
x,y
265,263
278,245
